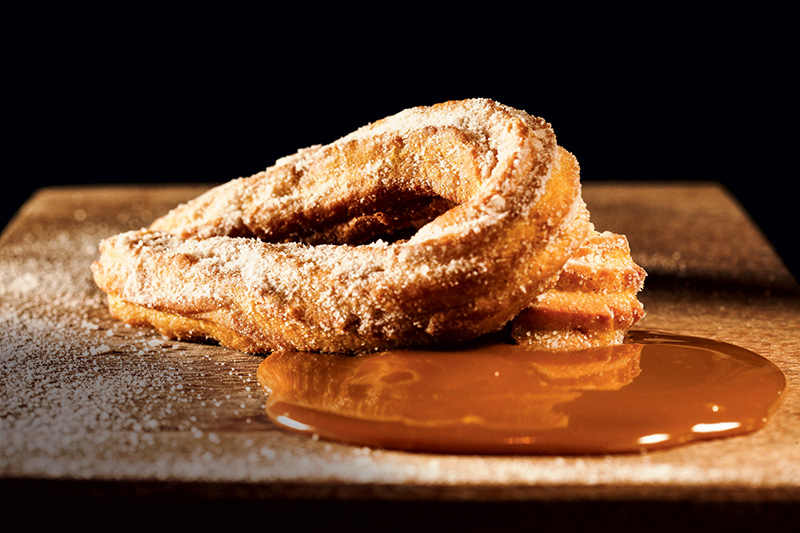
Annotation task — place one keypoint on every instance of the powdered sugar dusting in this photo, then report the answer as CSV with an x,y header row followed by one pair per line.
x,y
295,295
316,178
87,397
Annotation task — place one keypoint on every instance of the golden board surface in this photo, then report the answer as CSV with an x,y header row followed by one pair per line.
x,y
90,406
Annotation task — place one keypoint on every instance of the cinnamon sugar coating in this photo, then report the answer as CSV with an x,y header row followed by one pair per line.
x,y
435,225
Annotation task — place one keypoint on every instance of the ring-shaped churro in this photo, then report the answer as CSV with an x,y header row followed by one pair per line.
x,y
236,264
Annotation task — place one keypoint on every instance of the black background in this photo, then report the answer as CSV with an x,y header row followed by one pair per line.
x,y
203,96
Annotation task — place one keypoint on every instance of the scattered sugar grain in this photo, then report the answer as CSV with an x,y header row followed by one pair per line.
x,y
77,400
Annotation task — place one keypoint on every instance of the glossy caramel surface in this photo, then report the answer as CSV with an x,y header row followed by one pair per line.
x,y
654,391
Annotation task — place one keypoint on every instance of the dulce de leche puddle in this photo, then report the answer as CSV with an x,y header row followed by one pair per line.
x,y
654,391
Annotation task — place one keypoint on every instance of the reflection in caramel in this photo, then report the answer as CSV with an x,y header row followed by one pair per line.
x,y
653,391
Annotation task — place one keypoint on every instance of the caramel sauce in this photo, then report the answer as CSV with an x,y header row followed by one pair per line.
x,y
653,391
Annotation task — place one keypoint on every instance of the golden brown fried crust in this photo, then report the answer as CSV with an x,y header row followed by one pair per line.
x,y
490,204
593,303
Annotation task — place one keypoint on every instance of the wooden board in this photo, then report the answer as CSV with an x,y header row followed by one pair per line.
x,y
96,412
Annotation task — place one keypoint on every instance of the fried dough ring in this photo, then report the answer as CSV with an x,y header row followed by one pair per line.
x,y
518,216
